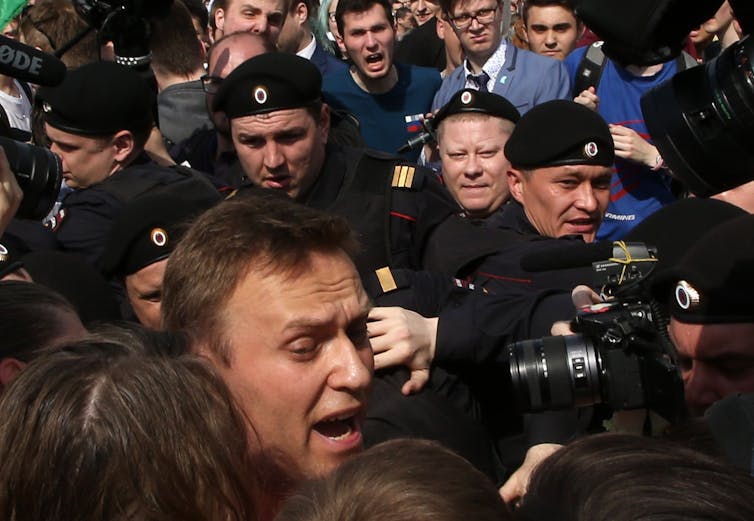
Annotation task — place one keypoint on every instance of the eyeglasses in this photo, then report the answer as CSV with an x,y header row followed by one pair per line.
x,y
211,84
482,16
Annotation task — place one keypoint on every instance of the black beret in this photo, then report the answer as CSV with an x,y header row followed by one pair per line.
x,y
269,82
97,99
560,132
148,228
469,100
674,228
714,281
11,250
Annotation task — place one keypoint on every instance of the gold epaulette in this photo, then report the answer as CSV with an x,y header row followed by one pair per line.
x,y
403,176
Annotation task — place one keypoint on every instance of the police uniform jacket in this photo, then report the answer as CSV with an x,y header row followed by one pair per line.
x,y
502,272
399,211
83,223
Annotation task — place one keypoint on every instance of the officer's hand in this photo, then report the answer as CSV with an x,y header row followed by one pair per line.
x,y
403,337
630,145
10,192
515,488
589,99
581,296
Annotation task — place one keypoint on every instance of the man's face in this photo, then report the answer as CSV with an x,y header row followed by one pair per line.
x,y
717,360
423,10
292,33
144,291
368,38
563,200
479,41
284,149
473,163
300,360
86,160
257,16
223,60
552,31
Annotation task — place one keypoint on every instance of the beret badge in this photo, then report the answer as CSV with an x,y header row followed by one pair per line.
x,y
686,295
159,237
591,150
3,253
466,98
260,94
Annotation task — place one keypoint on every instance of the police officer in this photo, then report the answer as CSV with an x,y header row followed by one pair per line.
x,y
472,129
561,155
280,129
98,121
141,239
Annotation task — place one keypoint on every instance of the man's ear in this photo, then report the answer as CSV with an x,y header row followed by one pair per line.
x,y
516,184
301,13
580,30
9,369
440,28
124,144
524,34
220,19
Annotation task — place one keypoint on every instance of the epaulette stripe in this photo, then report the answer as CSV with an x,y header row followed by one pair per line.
x,y
396,176
410,178
402,180
385,277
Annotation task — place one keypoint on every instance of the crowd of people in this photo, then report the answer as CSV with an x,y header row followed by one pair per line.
x,y
304,261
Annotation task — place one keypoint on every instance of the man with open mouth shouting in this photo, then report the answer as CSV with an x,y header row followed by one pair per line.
x,y
389,99
266,290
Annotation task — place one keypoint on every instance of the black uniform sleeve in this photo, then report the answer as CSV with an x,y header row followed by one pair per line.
x,y
475,328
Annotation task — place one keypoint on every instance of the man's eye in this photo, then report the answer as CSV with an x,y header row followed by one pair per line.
x,y
462,18
275,19
303,349
484,12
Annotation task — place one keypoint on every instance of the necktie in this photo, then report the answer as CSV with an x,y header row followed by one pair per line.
x,y
480,81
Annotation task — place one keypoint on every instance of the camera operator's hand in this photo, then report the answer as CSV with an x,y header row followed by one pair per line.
x,y
515,488
630,145
10,193
403,337
581,296
589,99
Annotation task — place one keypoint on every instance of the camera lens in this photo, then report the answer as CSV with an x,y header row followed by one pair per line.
x,y
38,172
702,120
555,372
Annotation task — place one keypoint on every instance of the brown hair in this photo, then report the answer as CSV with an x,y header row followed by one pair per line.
x,y
565,4
51,24
265,232
33,319
617,477
399,480
115,430
174,45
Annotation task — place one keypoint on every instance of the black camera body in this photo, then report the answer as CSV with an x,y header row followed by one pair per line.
x,y
620,356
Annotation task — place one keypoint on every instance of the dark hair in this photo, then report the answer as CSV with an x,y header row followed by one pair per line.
x,y
33,319
198,11
565,4
174,45
360,6
50,24
616,477
265,232
110,430
399,480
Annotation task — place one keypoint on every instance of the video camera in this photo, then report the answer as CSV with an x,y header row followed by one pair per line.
x,y
702,119
126,24
620,356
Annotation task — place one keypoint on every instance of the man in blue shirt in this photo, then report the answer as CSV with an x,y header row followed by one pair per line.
x,y
389,99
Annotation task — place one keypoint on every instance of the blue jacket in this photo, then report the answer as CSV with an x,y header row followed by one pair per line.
x,y
326,62
526,79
